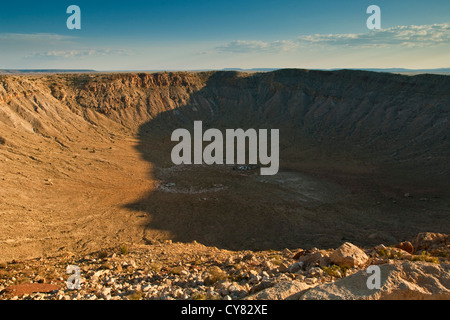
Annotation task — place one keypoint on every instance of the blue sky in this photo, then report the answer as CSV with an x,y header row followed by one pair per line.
x,y
187,35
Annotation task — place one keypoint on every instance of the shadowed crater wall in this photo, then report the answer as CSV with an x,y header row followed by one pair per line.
x,y
352,143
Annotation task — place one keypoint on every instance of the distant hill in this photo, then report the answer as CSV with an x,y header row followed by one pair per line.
x,y
30,71
445,71
387,70
253,69
408,71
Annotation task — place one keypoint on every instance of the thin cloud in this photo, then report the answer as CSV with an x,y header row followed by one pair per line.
x,y
407,36
242,46
35,37
403,36
68,54
52,46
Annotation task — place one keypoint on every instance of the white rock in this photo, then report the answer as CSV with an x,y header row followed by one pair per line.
x,y
300,277
147,288
99,273
106,292
178,293
310,281
316,272
349,255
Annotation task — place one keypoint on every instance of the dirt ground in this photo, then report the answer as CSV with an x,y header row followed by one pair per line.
x,y
75,199
99,194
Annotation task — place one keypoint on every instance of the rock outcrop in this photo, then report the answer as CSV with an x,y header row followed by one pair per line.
x,y
430,241
399,281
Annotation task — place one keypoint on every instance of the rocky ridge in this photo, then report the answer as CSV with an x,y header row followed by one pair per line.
x,y
176,271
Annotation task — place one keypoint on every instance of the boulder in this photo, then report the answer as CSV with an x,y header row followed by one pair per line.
x,y
311,258
404,280
406,246
348,255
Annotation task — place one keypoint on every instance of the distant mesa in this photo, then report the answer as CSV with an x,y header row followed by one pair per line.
x,y
443,71
408,71
386,70
34,71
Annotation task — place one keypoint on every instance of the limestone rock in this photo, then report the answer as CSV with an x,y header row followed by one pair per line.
x,y
348,255
400,281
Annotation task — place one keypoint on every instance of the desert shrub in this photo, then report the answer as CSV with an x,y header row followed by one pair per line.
x,y
203,296
137,295
215,275
276,259
389,254
197,262
426,256
123,249
335,271
102,254
175,270
155,267
4,274
199,296
237,277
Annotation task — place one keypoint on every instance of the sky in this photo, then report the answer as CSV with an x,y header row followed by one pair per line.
x,y
209,34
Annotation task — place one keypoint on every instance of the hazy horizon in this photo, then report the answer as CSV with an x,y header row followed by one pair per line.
x,y
85,70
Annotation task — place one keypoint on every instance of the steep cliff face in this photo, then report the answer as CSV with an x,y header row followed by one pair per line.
x,y
374,116
43,104
364,130
382,116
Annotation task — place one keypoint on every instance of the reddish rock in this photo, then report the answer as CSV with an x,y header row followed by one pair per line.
x,y
30,288
406,246
300,254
